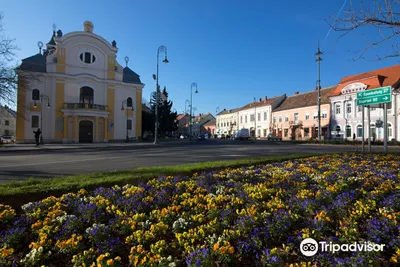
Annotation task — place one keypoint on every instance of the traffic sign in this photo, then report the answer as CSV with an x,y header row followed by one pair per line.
x,y
375,96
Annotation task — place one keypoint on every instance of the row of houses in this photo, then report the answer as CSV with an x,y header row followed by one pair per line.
x,y
295,117
201,124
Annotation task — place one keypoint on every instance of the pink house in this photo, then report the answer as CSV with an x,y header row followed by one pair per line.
x,y
297,116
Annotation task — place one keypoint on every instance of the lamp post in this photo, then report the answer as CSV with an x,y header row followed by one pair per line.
x,y
319,59
125,102
160,49
186,103
193,85
42,96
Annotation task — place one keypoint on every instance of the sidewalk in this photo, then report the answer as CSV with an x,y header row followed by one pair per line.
x,y
51,147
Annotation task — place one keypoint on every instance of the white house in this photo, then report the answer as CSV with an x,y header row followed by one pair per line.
x,y
258,115
227,121
7,120
346,116
80,92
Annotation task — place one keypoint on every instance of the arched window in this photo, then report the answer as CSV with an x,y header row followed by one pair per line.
x,y
35,94
348,131
337,128
129,102
86,95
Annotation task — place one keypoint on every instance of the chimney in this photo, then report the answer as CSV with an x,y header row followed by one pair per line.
x,y
259,100
265,98
296,93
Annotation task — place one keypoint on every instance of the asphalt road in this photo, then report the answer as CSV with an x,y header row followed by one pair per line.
x,y
45,164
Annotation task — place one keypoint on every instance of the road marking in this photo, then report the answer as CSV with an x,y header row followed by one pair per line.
x,y
64,161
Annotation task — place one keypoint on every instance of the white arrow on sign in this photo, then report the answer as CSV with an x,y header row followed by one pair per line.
x,y
385,98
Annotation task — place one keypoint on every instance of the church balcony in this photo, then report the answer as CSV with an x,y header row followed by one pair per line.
x,y
85,106
85,109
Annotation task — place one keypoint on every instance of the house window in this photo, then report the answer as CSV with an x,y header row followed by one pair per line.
x,y
241,119
372,109
286,118
359,131
274,119
7,122
245,119
306,132
307,116
296,117
315,115
35,121
265,115
252,117
389,130
348,131
348,108
337,109
6,132
286,132
337,128
324,114
87,57
35,94
259,116
280,118
129,102
129,124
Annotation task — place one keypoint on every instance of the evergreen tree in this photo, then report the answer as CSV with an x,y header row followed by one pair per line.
x,y
166,118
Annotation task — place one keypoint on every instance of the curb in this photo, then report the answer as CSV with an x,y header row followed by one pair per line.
x,y
127,147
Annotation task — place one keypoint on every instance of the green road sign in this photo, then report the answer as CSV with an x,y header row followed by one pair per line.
x,y
375,96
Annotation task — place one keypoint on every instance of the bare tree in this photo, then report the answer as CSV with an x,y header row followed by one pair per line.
x,y
380,16
8,76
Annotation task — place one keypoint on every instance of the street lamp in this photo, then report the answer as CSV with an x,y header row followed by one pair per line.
x,y
319,59
186,102
125,102
42,96
191,105
160,49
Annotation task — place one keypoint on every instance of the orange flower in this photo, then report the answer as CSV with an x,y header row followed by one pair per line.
x,y
216,246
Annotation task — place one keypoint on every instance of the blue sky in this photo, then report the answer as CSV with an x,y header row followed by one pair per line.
x,y
234,50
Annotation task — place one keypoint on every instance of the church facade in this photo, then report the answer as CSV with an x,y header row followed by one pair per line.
x,y
75,91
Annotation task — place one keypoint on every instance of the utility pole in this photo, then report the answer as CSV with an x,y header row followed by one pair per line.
x,y
319,59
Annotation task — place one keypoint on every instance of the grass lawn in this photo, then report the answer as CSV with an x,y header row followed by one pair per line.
x,y
241,215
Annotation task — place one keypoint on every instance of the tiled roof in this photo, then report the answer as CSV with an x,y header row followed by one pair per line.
x,y
373,79
212,122
36,63
129,76
227,111
257,104
12,112
201,118
181,116
306,99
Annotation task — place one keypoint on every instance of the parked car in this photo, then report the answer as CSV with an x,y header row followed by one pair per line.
x,y
221,136
5,139
201,137
272,137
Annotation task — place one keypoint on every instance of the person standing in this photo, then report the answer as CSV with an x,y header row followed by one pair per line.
x,y
37,136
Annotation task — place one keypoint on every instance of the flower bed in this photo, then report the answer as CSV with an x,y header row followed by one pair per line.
x,y
249,216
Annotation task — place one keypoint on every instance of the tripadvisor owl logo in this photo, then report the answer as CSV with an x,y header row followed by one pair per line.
x,y
309,247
